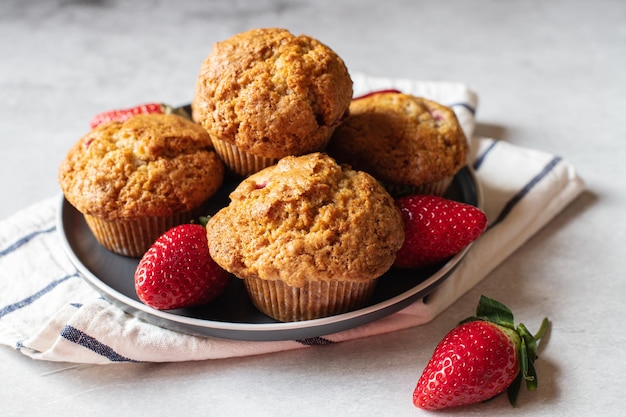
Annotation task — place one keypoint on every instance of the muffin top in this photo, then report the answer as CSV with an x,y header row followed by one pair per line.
x,y
307,218
400,139
149,165
272,93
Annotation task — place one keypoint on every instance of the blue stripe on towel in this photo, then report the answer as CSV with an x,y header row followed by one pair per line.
x,y
32,298
464,105
521,193
315,341
25,239
479,160
81,338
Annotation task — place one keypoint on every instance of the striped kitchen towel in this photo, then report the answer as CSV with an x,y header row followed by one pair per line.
x,y
48,312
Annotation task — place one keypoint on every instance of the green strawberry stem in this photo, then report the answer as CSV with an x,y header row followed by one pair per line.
x,y
497,313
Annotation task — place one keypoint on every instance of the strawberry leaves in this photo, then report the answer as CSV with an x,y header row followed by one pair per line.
x,y
495,312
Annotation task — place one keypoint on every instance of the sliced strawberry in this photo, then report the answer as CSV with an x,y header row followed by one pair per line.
x,y
480,358
178,271
435,229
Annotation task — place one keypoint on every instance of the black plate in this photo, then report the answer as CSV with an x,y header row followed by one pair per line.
x,y
232,315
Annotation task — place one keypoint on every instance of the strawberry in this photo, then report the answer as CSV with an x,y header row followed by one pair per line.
x,y
121,115
371,93
435,228
178,271
479,359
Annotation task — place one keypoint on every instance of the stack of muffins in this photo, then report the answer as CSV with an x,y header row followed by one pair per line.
x,y
312,224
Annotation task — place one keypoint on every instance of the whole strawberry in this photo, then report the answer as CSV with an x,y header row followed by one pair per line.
x,y
121,115
436,228
178,271
480,358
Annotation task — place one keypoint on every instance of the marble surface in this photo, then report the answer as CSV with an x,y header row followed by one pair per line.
x,y
550,75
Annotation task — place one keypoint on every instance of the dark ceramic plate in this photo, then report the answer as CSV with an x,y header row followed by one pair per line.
x,y
232,315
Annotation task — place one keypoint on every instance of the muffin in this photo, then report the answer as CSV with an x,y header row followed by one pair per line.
x,y
134,180
308,236
266,93
411,144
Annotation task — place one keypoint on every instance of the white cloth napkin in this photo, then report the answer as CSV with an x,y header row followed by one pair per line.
x,y
48,312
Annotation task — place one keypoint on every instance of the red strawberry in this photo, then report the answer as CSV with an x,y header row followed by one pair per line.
x,y
121,115
371,93
178,271
436,228
479,359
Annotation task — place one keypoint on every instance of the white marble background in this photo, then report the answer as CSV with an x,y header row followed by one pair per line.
x,y
550,75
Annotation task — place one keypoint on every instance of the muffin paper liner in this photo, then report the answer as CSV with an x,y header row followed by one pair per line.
x,y
244,163
134,237
314,300
238,161
436,188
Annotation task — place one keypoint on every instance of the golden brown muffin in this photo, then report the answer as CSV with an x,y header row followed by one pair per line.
x,y
266,93
308,237
133,180
409,143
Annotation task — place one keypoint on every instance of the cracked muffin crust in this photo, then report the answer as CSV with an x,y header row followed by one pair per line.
x,y
267,93
307,218
145,174
409,143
